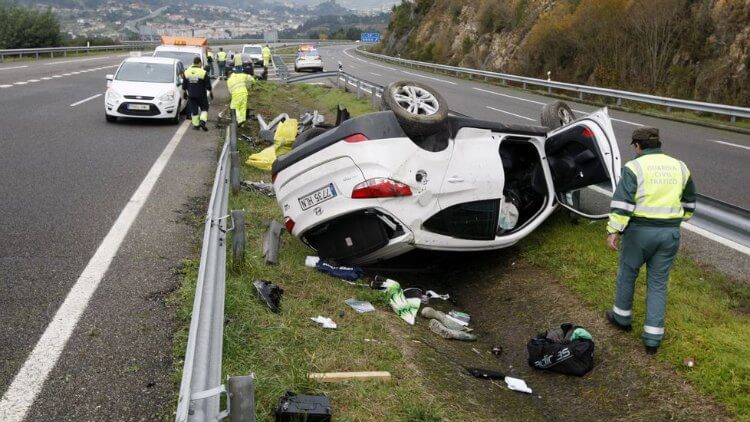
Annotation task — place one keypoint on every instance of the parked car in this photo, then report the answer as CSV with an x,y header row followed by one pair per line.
x,y
309,60
145,87
418,177
253,53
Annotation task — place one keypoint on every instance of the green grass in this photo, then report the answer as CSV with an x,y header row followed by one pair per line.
x,y
704,314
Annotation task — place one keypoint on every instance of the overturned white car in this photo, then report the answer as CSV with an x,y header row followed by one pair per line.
x,y
416,176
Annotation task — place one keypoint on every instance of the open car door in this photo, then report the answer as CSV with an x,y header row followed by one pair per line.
x,y
584,154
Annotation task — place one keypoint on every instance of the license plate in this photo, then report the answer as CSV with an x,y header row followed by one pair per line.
x,y
321,195
139,107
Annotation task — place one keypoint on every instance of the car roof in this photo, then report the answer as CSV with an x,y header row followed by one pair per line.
x,y
151,59
252,45
187,48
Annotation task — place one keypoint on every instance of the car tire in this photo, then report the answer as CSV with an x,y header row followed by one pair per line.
x,y
556,114
419,109
295,69
308,134
110,119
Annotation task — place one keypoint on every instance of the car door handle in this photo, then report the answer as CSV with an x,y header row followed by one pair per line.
x,y
455,179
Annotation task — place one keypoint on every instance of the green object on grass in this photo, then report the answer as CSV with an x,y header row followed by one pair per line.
x,y
405,308
581,334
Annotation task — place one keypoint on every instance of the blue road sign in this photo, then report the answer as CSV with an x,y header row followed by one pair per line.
x,y
370,37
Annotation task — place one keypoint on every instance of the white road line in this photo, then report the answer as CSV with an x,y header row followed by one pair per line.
x,y
33,80
47,78
66,74
730,144
346,52
508,112
695,229
5,86
376,74
625,121
75,73
508,96
77,60
429,77
14,67
20,83
85,99
27,384
57,76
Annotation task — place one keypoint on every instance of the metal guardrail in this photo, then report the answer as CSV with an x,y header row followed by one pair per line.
x,y
344,81
63,51
726,220
619,95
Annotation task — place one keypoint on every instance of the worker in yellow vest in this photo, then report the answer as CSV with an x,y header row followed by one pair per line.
x,y
210,60
266,56
654,196
221,60
238,62
198,88
238,84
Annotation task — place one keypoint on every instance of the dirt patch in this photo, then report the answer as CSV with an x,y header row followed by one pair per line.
x,y
510,301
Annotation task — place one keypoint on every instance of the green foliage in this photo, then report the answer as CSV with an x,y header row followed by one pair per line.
x,y
27,28
466,45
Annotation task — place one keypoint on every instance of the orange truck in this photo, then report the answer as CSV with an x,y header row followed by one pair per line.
x,y
185,49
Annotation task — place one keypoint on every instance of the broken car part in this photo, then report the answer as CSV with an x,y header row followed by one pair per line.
x,y
271,243
438,328
262,187
324,322
298,407
515,384
270,294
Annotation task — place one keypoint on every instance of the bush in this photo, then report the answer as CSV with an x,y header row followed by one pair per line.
x,y
27,28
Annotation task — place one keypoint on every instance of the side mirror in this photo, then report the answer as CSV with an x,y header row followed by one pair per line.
x,y
179,82
110,77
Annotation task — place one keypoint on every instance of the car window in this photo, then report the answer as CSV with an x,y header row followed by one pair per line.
x,y
145,72
186,58
252,50
312,54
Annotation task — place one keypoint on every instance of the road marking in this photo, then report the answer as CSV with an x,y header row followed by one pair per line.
x,y
75,73
429,77
346,52
14,67
5,86
47,78
695,229
27,384
66,74
20,83
508,112
376,74
508,96
78,60
625,121
730,144
33,80
57,76
85,99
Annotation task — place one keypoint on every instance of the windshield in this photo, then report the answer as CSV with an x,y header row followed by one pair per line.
x,y
252,50
185,57
311,55
146,72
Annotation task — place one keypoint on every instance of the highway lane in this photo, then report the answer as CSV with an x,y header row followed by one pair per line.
x,y
717,158
67,174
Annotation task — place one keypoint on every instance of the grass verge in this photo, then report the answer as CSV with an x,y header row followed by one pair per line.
x,y
706,320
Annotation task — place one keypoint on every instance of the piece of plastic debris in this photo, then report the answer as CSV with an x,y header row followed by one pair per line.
x,y
580,334
450,323
270,294
299,407
405,308
497,350
689,362
360,306
517,384
432,295
476,351
261,187
461,316
311,261
325,322
344,273
457,321
438,328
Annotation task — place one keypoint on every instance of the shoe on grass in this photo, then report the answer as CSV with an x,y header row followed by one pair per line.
x,y
611,318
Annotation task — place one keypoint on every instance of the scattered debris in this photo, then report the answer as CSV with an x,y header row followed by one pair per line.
x,y
555,350
324,322
350,376
311,261
344,273
294,407
438,328
497,350
430,294
476,351
446,320
270,293
405,308
515,384
360,306
261,187
460,316
271,243
689,362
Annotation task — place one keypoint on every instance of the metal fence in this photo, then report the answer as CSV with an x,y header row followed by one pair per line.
x,y
732,111
53,52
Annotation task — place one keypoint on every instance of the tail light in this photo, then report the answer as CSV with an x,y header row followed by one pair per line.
x,y
289,224
357,137
587,133
273,177
380,187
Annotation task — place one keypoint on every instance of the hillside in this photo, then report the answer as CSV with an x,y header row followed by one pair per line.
x,y
695,49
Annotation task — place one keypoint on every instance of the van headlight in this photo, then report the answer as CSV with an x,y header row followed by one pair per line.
x,y
167,98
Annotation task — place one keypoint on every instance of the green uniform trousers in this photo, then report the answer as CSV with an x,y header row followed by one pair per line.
x,y
656,247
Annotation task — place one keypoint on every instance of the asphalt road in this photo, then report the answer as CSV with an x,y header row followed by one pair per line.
x,y
67,175
718,159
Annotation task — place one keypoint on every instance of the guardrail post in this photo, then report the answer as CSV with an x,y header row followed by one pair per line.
x,y
524,85
234,171
238,237
669,109
65,53
346,83
359,89
619,101
241,398
233,131
733,119
549,90
580,95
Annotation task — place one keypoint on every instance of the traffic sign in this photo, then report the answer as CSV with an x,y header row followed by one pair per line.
x,y
370,37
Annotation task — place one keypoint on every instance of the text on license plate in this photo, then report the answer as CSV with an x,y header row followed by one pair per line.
x,y
321,195
138,106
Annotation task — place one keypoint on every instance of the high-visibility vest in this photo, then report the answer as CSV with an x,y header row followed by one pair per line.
x,y
661,181
210,54
237,84
266,53
238,59
221,56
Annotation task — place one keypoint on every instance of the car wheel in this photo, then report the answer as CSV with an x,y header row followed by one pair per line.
x,y
176,119
110,119
307,135
556,114
419,109
295,69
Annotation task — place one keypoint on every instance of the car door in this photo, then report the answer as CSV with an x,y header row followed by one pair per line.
x,y
584,154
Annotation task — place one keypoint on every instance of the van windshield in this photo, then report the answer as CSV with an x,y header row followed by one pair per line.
x,y
146,72
252,50
185,57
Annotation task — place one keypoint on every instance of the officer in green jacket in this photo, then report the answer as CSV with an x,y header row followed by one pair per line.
x,y
654,196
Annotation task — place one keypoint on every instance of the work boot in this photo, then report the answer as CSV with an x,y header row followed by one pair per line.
x,y
196,127
446,332
651,350
428,312
203,126
611,318
270,294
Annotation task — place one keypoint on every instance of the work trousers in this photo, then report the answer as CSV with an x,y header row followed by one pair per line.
x,y
656,247
211,69
239,105
198,108
222,69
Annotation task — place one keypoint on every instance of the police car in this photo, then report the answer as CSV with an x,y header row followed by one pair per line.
x,y
145,87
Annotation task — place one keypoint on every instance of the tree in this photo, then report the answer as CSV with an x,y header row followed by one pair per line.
x,y
28,28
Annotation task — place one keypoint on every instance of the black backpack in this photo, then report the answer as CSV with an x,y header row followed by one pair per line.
x,y
554,351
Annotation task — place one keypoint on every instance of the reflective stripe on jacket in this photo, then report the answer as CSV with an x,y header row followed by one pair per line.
x,y
654,189
196,82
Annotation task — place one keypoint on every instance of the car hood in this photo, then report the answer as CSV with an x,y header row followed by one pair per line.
x,y
149,89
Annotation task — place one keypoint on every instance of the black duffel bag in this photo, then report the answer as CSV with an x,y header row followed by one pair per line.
x,y
556,351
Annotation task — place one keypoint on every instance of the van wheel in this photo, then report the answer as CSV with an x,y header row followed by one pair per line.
x,y
556,114
419,109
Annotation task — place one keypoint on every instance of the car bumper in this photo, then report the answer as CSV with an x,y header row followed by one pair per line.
x,y
156,109
309,65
